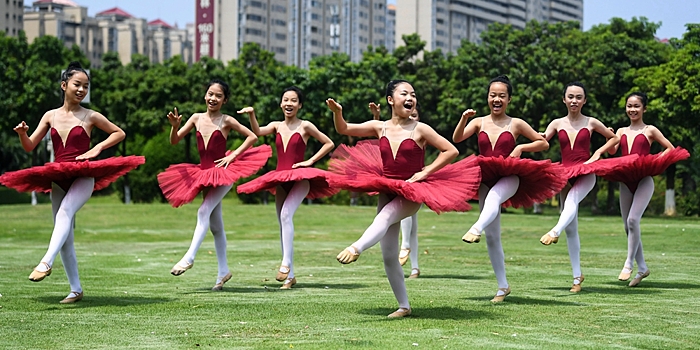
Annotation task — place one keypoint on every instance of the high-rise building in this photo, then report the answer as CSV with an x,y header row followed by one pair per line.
x,y
294,30
11,14
390,27
443,24
112,30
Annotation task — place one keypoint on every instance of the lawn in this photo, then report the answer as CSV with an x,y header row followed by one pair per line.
x,y
131,301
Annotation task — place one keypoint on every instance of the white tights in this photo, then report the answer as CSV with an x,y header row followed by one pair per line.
x,y
632,206
568,220
286,205
409,238
489,221
209,217
385,230
64,205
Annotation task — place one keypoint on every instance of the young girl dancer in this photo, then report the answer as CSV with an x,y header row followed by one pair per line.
x,y
506,179
636,184
294,179
574,132
214,176
409,225
73,177
399,175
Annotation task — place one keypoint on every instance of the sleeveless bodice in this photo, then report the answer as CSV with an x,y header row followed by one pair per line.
x,y
505,144
580,152
212,150
640,145
409,160
294,152
77,143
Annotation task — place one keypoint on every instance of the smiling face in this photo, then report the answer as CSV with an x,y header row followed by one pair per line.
x,y
75,88
215,98
574,98
635,108
403,100
498,98
290,104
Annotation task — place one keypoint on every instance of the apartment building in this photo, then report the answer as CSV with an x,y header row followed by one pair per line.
x,y
11,14
443,24
296,31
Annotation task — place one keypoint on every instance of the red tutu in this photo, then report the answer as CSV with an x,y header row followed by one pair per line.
x,y
600,167
40,178
181,183
646,165
318,180
539,179
359,169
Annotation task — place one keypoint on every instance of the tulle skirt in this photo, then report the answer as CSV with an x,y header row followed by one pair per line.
x,y
359,169
646,165
318,181
600,167
181,183
539,179
39,178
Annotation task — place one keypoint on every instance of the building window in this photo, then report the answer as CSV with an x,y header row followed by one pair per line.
x,y
315,17
255,18
257,4
314,42
314,29
253,31
280,36
278,49
279,22
279,8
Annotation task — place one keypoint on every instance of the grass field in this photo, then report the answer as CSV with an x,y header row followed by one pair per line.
x,y
131,300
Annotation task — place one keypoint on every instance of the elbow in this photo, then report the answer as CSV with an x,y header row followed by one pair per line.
x,y
451,153
121,135
545,145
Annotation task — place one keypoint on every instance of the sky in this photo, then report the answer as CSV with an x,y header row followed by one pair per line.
x,y
672,13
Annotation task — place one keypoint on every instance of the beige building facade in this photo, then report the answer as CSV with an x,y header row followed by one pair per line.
x,y
443,24
11,16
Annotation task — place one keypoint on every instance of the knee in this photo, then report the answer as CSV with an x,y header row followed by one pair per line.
x,y
286,215
632,223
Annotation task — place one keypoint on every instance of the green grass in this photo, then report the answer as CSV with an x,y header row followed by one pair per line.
x,y
131,301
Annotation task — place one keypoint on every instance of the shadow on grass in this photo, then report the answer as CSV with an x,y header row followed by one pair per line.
x,y
647,285
97,301
454,277
435,313
516,300
276,287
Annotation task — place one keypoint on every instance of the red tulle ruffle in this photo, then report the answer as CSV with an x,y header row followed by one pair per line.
x,y
539,179
318,181
359,169
181,183
646,165
600,167
39,178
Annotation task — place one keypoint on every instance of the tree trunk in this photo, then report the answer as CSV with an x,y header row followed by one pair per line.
x,y
595,207
611,197
670,202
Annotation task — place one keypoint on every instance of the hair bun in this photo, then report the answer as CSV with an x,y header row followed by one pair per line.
x,y
504,77
74,65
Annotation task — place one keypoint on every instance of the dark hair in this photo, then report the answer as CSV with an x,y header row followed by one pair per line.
x,y
224,87
73,68
642,97
575,83
391,87
501,79
300,95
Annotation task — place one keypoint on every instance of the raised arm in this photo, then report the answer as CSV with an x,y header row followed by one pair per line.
x,y
328,145
366,129
463,130
174,118
250,139
448,152
538,142
374,108
116,135
254,126
29,143
613,139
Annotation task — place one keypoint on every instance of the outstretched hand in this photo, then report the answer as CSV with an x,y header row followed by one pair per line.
x,y
247,110
335,107
21,128
468,113
174,118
